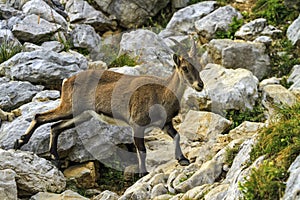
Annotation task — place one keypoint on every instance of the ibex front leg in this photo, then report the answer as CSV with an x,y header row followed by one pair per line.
x,y
139,142
176,137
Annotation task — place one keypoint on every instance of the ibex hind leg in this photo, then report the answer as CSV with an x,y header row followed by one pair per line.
x,y
40,119
182,160
58,128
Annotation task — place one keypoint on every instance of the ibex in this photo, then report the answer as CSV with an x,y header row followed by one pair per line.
x,y
139,101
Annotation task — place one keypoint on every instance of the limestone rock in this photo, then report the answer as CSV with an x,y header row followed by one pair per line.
x,y
33,174
228,88
137,191
46,95
158,190
81,11
245,130
203,126
239,54
277,94
293,183
217,192
43,67
8,186
295,79
53,46
106,195
219,20
66,195
44,11
83,175
34,29
84,36
184,19
293,32
255,28
154,56
123,10
16,93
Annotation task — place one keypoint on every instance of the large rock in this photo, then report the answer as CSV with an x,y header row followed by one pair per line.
x,y
8,186
15,93
66,195
229,89
43,67
34,29
131,13
293,32
33,174
43,10
183,21
203,126
255,28
85,36
81,11
293,182
106,195
294,78
239,54
277,94
219,20
154,56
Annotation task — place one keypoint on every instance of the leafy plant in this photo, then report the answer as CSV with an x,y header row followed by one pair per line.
x,y
231,153
8,49
233,27
280,143
123,60
265,182
283,57
237,116
274,11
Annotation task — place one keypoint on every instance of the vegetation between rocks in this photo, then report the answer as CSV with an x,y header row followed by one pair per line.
x,y
8,49
280,143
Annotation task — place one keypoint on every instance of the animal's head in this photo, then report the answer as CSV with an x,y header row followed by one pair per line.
x,y
188,73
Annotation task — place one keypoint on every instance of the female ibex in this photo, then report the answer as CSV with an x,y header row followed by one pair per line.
x,y
139,101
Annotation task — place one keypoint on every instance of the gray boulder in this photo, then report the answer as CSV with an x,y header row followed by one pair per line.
x,y
293,182
239,54
183,21
15,93
219,20
33,174
293,32
42,9
43,67
255,28
154,56
294,78
131,13
8,186
66,195
229,89
85,36
34,29
81,11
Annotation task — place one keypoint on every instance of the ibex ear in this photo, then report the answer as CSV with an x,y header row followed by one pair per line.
x,y
176,59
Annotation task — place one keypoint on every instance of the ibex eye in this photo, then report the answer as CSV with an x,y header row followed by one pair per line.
x,y
185,69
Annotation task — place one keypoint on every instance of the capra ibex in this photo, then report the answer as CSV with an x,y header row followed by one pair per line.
x,y
139,101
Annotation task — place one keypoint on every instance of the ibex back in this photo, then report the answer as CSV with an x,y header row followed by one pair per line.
x,y
139,101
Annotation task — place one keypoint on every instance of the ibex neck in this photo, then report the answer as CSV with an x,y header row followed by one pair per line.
x,y
176,85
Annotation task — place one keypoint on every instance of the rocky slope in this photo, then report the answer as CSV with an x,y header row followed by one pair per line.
x,y
59,41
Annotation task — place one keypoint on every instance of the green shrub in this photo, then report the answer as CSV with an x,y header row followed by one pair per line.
x,y
231,153
123,60
274,11
8,50
280,143
237,116
233,27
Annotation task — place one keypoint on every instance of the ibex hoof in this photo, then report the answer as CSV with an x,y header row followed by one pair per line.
x,y
184,162
143,174
17,144
56,163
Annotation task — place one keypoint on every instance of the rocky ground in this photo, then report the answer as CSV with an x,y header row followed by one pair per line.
x,y
59,40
